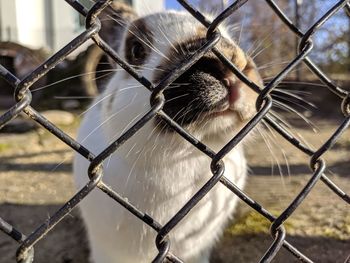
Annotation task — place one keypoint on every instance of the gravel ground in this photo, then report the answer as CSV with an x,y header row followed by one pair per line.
x,y
35,180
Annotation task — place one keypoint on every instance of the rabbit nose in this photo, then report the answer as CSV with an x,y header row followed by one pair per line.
x,y
233,89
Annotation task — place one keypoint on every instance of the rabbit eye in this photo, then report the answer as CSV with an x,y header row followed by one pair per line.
x,y
138,43
138,52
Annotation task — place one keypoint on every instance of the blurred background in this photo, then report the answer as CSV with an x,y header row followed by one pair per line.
x,y
30,31
35,167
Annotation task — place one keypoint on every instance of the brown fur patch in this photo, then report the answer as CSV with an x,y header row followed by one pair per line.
x,y
251,71
113,19
234,53
201,31
184,49
176,55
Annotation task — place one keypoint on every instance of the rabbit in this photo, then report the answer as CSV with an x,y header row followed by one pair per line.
x,y
156,169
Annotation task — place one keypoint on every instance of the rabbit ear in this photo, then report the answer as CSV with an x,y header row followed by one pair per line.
x,y
114,20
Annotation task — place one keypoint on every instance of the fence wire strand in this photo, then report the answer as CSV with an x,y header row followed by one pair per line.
x,y
22,96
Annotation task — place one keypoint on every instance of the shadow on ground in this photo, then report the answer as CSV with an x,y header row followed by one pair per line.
x,y
67,242
341,168
250,248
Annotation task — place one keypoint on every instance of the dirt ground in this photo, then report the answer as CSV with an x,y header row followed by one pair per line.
x,y
35,180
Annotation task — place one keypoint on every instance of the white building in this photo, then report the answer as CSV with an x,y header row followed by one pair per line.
x,y
143,7
50,23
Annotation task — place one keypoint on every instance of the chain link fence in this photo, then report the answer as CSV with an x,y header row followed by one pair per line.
x,y
22,95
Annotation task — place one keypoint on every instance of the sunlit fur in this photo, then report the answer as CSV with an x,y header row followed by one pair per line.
x,y
157,170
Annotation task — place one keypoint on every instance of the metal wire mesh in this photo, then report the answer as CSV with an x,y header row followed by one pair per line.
x,y
22,94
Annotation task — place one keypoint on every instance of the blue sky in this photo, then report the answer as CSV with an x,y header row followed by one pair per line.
x,y
172,4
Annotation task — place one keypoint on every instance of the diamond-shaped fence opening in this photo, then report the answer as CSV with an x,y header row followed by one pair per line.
x,y
22,94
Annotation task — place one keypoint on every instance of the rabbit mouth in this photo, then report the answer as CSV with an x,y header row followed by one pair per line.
x,y
207,91
199,94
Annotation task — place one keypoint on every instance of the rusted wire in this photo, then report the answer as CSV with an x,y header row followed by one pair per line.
x,y
22,103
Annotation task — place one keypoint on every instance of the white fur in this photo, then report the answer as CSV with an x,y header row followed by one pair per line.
x,y
156,172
